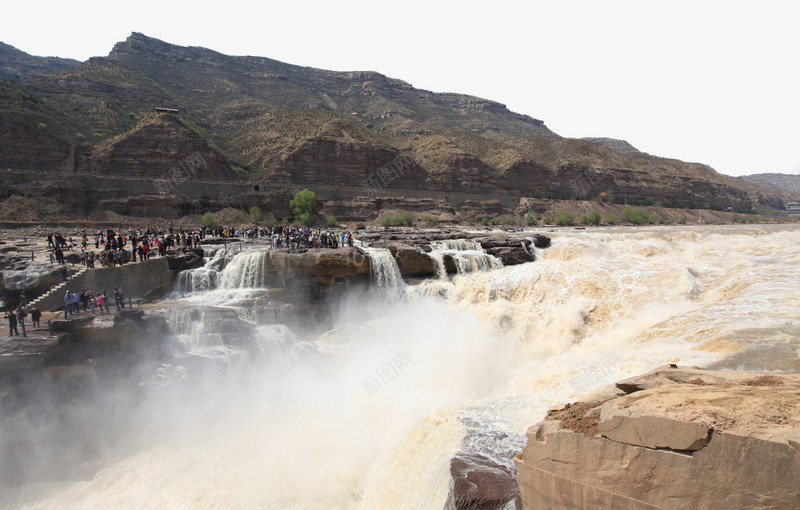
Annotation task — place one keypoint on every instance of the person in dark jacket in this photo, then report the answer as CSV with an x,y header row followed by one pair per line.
x,y
20,313
12,324
36,314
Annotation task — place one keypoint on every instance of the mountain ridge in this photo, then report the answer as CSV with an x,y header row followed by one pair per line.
x,y
16,64
288,126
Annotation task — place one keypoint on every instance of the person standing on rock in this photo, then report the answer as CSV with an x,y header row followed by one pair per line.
x,y
20,313
100,301
12,324
36,315
67,304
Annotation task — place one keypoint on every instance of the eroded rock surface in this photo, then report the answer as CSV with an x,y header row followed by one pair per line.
x,y
682,438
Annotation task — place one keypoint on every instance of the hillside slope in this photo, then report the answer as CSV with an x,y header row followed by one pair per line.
x,y
291,127
787,186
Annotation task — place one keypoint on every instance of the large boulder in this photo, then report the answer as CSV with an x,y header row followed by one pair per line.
x,y
412,261
692,439
320,265
510,250
541,241
480,483
190,259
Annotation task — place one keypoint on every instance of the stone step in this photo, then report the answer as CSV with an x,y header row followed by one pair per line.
x,y
58,286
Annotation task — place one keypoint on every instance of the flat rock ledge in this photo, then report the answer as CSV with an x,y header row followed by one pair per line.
x,y
681,437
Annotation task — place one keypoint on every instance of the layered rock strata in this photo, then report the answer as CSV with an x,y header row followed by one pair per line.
x,y
678,438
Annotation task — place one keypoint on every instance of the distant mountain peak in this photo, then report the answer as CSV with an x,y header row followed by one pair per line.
x,y
136,41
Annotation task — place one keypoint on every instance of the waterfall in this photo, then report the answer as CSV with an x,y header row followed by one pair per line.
x,y
206,277
246,270
467,256
383,269
438,265
225,270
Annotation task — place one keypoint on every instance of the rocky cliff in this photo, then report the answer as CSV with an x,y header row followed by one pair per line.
x,y
161,147
679,438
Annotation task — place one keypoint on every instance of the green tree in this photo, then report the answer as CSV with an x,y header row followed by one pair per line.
x,y
566,218
636,216
593,218
209,219
530,218
331,221
304,206
255,214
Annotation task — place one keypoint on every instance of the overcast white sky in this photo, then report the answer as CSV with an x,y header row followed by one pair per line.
x,y
714,82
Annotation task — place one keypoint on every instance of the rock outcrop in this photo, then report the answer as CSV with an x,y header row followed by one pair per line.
x,y
318,265
684,438
408,247
162,147
411,260
189,259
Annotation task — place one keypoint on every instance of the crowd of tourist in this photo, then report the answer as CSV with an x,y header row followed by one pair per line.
x,y
89,302
110,248
290,236
296,237
113,248
117,247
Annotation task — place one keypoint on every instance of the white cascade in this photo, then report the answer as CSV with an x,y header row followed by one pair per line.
x,y
468,257
383,269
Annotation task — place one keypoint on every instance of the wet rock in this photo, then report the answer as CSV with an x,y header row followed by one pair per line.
x,y
450,266
182,261
511,251
541,241
412,261
479,483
